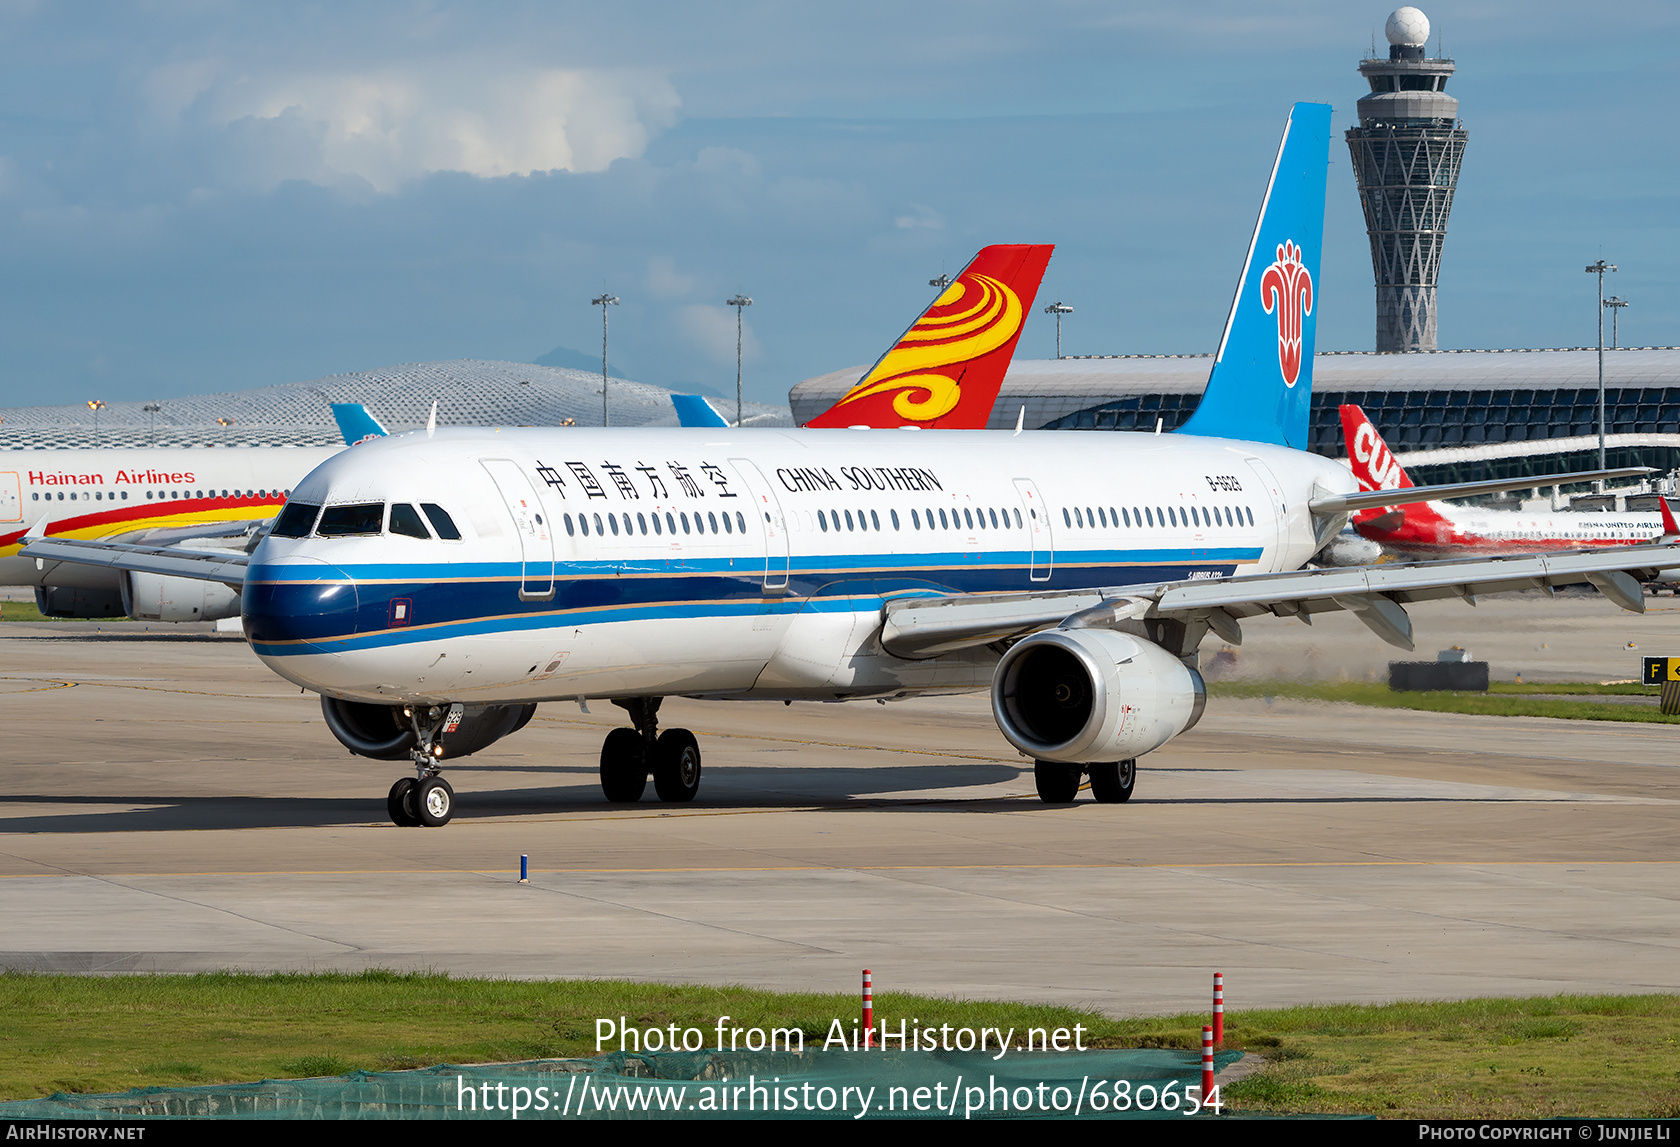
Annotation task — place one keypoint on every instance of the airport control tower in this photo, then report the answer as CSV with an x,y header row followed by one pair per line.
x,y
1406,153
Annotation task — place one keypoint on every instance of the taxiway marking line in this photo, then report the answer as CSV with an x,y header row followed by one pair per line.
x,y
1236,865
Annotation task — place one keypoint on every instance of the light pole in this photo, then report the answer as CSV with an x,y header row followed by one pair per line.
x,y
604,300
96,405
151,409
1058,308
1615,304
942,282
1598,269
740,303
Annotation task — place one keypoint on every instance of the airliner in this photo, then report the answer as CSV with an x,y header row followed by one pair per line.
x,y
434,587
1437,529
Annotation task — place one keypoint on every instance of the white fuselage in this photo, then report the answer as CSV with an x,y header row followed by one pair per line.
x,y
711,562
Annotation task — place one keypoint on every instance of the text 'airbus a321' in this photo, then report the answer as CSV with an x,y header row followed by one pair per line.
x,y
435,587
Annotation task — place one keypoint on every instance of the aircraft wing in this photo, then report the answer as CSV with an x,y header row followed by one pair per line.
x,y
225,566
1376,595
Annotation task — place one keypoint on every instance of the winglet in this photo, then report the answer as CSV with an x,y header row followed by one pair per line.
x,y
693,410
431,420
947,369
356,423
37,531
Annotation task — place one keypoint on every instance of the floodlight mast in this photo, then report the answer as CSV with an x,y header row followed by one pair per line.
x,y
604,300
1615,303
1598,269
96,405
1058,308
151,409
740,303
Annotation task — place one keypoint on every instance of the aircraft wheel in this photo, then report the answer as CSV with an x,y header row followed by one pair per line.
x,y
676,766
1057,783
434,802
1113,781
400,804
624,767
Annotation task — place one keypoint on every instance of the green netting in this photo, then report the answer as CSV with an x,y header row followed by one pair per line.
x,y
1132,1084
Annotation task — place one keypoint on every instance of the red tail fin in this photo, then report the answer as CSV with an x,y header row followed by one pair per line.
x,y
947,369
1368,455
1671,530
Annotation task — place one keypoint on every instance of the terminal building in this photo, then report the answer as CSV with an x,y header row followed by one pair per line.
x,y
468,392
1450,416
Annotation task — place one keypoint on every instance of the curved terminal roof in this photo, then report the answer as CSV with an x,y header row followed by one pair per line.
x,y
1052,389
469,392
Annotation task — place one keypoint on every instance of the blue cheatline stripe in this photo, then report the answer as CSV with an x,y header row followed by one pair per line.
x,y
835,565
304,617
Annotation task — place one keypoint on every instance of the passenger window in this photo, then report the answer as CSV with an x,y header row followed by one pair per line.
x,y
684,518
612,520
874,520
1067,518
894,514
641,520
740,521
670,524
822,521
968,517
726,528
296,520
848,520
711,517
406,521
441,522
570,531
363,519
943,521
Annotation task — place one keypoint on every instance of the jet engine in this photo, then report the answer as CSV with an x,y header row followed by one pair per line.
x,y
77,601
1086,695
384,733
154,597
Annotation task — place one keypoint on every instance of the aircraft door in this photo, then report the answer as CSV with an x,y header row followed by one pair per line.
x,y
770,520
536,533
1271,513
1037,520
11,497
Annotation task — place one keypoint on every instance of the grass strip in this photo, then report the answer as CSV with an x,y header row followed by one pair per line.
x,y
1492,1058
1500,701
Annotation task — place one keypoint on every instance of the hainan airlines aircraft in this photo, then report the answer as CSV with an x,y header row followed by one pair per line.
x,y
193,495
1437,529
435,587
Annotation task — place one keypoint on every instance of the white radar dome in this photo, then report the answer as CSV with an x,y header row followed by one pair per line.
x,y
1409,27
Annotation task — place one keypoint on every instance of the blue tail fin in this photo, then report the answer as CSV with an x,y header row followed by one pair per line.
x,y
356,423
692,410
1260,389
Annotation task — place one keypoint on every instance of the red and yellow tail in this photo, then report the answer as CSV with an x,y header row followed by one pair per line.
x,y
947,369
1368,455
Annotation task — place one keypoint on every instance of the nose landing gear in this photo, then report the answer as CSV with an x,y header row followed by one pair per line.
x,y
425,799
629,755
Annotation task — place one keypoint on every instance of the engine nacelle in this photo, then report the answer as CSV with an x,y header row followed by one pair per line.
x,y
154,597
384,733
1086,695
75,601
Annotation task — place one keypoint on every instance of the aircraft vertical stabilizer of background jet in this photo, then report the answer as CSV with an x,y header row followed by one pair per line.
x,y
694,410
946,370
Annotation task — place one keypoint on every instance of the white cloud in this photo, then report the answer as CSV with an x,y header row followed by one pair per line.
x,y
712,329
665,282
393,125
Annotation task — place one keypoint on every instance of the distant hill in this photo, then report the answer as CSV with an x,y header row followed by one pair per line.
x,y
568,359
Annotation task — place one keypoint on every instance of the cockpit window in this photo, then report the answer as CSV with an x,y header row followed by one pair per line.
x,y
405,520
295,520
349,521
441,522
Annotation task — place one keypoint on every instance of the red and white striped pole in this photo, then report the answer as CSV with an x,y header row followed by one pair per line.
x,y
868,1009
1207,1063
1219,1008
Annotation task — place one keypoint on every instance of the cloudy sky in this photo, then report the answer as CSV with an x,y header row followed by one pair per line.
x,y
198,195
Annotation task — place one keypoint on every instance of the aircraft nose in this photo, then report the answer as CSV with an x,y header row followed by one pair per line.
x,y
297,605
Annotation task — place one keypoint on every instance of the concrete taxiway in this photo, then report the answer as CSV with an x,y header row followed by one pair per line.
x,y
168,804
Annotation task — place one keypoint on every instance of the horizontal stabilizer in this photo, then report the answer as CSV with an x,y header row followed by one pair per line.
x,y
1412,495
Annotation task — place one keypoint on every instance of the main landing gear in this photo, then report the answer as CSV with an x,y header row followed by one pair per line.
x,y
1111,781
629,755
425,799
